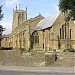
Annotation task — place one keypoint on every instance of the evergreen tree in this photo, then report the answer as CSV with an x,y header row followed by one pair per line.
x,y
1,15
1,27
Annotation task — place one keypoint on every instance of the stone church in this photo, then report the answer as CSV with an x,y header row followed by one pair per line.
x,y
39,33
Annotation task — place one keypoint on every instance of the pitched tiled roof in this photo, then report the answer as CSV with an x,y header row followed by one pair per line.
x,y
48,22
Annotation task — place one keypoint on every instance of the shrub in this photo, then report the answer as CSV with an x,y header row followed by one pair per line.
x,y
70,50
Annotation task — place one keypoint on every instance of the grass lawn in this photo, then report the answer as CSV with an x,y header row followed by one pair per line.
x,y
33,52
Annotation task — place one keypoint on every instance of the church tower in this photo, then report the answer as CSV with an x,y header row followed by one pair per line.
x,y
19,16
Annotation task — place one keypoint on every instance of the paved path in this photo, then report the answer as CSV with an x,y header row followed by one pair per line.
x,y
18,70
31,73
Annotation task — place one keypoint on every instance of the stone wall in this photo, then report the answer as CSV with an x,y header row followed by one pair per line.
x,y
50,58
14,58
9,57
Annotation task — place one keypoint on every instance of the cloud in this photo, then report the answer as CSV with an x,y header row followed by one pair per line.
x,y
10,3
7,26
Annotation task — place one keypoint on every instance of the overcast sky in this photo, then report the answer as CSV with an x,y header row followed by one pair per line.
x,y
45,7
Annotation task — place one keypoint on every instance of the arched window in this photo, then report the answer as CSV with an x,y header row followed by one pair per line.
x,y
70,33
63,32
35,37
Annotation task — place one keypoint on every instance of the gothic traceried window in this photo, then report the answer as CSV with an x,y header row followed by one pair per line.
x,y
63,32
35,37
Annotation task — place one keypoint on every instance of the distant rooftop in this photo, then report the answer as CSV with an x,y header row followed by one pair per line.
x,y
48,21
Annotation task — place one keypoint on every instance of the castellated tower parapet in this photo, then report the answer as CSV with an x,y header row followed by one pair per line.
x,y
19,16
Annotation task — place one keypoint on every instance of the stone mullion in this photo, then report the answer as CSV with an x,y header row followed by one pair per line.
x,y
62,32
48,40
65,31
48,36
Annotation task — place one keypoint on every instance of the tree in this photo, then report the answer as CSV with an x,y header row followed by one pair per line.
x,y
1,15
68,7
1,27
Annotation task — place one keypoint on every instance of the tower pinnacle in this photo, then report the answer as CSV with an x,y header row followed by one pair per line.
x,y
13,10
26,12
39,13
26,8
16,7
19,6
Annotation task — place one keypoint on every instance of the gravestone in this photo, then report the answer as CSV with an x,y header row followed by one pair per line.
x,y
68,42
